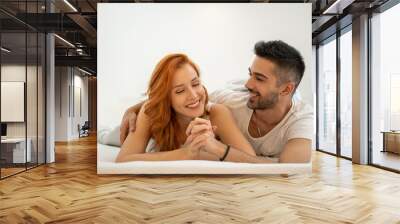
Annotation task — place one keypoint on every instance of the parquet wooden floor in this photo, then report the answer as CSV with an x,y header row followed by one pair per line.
x,y
10,171
70,191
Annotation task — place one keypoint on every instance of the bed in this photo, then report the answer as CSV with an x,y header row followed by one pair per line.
x,y
106,155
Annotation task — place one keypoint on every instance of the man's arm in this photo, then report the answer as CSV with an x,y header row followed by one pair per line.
x,y
136,108
296,150
236,155
128,123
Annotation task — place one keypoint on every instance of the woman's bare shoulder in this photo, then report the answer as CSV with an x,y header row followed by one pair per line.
x,y
218,109
219,113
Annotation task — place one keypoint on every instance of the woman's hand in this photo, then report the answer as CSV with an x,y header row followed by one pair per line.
x,y
193,146
199,126
201,134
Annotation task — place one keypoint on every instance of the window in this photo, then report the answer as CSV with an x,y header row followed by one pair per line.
x,y
346,94
327,97
385,89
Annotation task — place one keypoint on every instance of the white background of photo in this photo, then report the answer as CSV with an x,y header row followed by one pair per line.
x,y
219,38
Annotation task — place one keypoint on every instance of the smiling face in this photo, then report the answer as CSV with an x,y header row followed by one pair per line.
x,y
263,84
187,94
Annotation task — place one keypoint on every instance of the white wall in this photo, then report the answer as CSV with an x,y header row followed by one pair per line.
x,y
220,38
12,101
68,82
61,104
80,84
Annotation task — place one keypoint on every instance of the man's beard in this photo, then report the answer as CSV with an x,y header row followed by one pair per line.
x,y
262,103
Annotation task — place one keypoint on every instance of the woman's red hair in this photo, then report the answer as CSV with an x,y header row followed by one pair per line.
x,y
164,126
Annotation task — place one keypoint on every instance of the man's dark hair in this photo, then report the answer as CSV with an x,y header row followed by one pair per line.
x,y
289,61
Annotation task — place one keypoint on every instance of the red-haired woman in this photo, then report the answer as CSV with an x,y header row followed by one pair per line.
x,y
179,118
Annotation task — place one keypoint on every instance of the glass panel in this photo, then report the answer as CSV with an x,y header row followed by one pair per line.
x,y
327,97
13,87
31,101
23,88
346,94
386,89
32,84
41,98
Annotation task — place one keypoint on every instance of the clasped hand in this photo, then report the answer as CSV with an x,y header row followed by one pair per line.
x,y
201,137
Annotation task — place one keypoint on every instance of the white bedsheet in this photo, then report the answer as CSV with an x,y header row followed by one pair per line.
x,y
106,156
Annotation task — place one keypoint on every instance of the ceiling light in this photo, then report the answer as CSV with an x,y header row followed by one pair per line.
x,y
70,5
84,71
337,7
64,40
5,50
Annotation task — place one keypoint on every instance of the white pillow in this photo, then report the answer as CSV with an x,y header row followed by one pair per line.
x,y
109,137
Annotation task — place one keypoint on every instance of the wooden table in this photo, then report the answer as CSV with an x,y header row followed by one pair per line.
x,y
391,141
13,150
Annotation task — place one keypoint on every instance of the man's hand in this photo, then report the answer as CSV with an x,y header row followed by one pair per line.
x,y
202,132
193,146
128,124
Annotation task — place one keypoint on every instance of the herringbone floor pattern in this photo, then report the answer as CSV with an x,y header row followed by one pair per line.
x,y
70,191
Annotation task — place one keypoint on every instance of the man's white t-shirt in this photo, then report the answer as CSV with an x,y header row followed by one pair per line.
x,y
297,123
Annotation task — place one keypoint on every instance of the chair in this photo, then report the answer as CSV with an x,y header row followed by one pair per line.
x,y
84,130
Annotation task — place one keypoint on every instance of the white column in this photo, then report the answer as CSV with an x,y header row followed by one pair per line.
x,y
50,100
360,90
50,92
